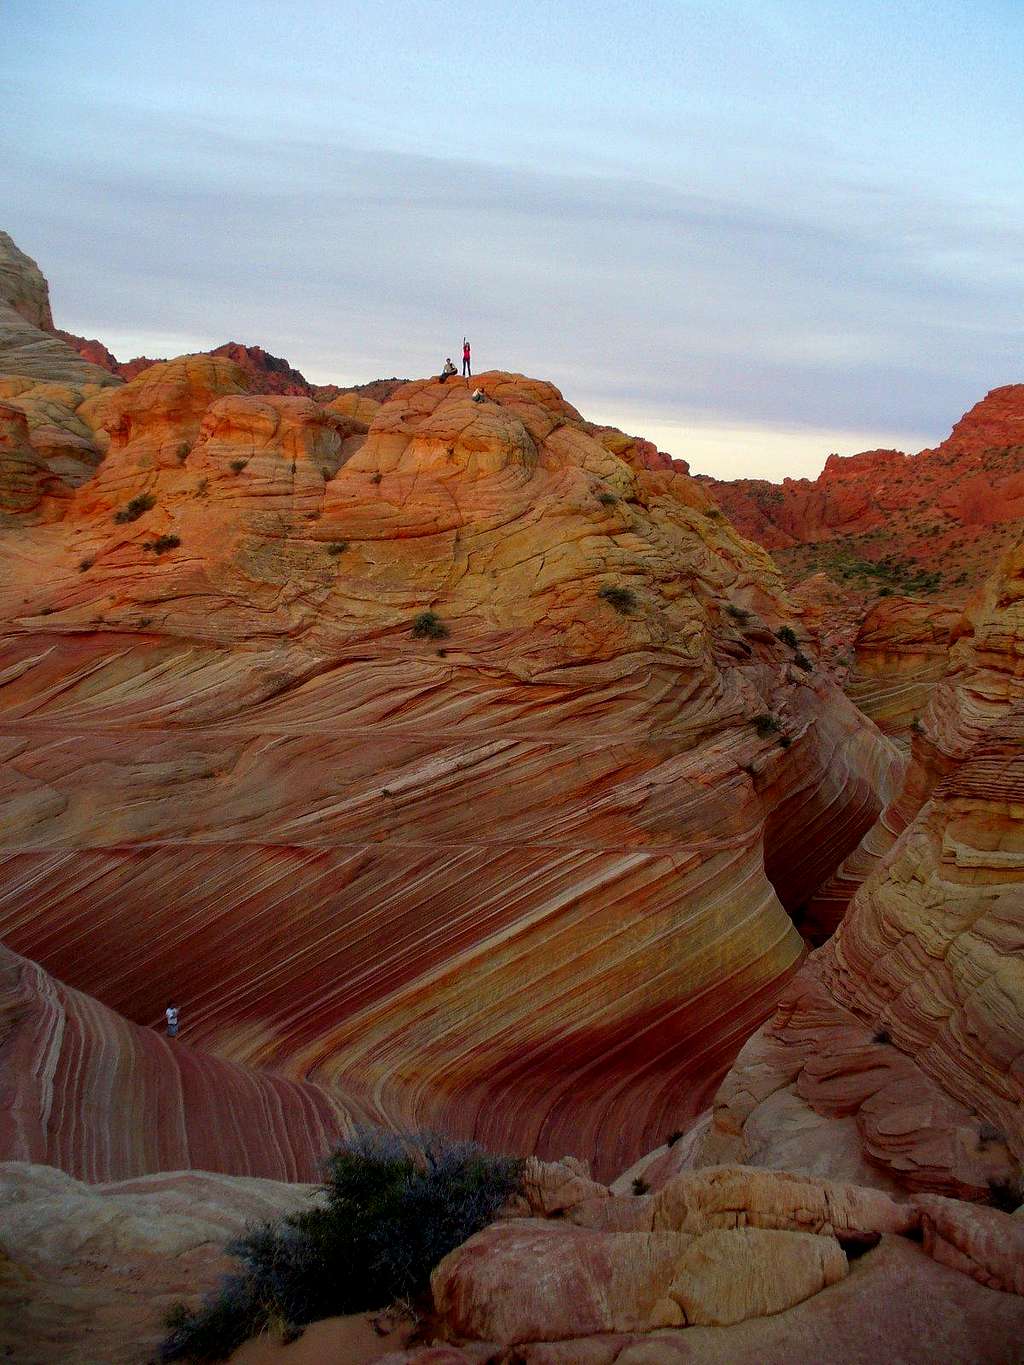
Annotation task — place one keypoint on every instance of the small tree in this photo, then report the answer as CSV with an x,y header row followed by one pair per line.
x,y
429,626
622,599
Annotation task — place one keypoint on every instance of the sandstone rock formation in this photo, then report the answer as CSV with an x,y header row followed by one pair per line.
x,y
529,878
901,652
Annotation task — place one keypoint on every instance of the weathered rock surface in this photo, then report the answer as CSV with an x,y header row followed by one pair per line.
x,y
531,1280
529,879
895,1304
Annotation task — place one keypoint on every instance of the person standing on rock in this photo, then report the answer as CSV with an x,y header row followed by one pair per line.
x,y
467,369
172,1021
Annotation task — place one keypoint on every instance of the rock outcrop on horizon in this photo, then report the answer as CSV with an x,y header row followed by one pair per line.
x,y
266,373
451,760
886,521
28,344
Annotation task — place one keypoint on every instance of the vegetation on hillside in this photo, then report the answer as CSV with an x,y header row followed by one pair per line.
x,y
390,1208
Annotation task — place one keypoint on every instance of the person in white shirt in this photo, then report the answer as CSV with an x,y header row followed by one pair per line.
x,y
172,1021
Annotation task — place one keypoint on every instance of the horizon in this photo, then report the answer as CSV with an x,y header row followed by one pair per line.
x,y
740,231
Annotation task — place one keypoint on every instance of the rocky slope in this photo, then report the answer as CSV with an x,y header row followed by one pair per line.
x,y
532,875
882,520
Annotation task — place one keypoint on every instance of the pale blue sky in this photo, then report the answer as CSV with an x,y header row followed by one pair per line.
x,y
758,230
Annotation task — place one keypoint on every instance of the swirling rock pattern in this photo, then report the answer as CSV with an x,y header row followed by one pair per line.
x,y
85,1090
528,878
901,652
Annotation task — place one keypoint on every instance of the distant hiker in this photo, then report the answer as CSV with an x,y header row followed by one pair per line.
x,y
478,395
466,367
172,1021
449,368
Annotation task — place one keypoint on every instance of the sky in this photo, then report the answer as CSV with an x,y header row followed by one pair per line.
x,y
755,231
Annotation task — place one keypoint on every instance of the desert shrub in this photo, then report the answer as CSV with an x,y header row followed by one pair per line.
x,y
622,599
640,1185
429,626
785,741
607,499
738,614
377,477
131,511
392,1207
766,724
801,660
338,548
85,565
788,636
881,1035
162,544
238,465
1004,1193
715,513
916,726
673,1137
988,1132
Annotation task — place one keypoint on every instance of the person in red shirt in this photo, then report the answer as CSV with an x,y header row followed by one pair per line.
x,y
466,367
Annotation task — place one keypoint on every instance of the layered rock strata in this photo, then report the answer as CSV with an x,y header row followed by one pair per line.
x,y
421,756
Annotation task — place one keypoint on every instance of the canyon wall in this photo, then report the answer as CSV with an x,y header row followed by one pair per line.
x,y
897,1052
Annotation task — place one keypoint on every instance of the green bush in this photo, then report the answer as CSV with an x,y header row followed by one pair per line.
x,y
238,465
801,660
607,499
85,565
788,636
738,614
766,724
162,544
392,1207
640,1185
134,509
429,626
622,599
338,548
1005,1194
